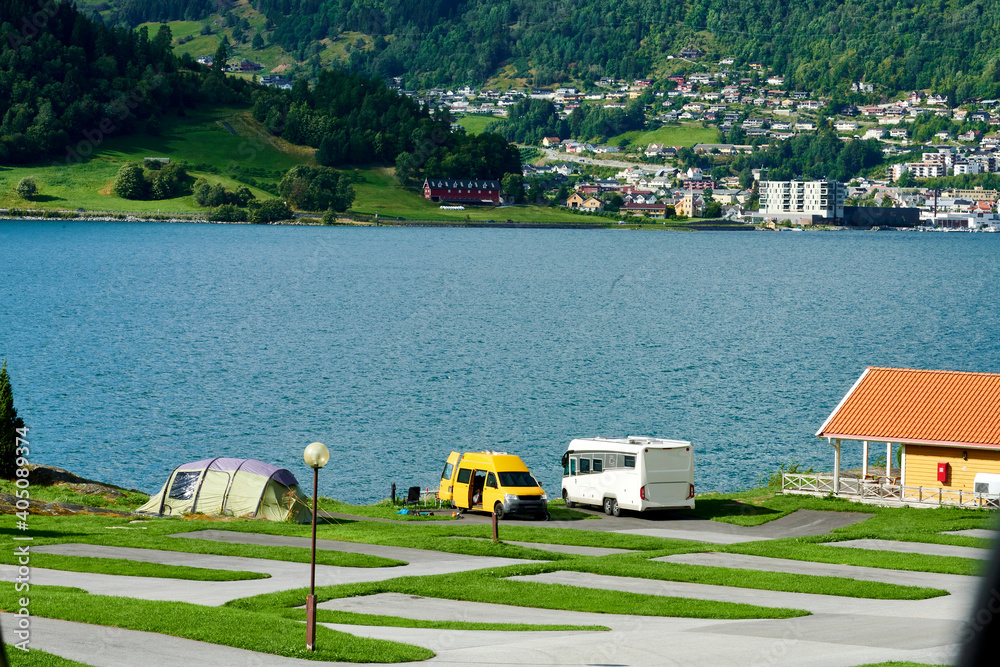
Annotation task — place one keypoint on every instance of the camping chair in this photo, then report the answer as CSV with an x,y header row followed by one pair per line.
x,y
413,495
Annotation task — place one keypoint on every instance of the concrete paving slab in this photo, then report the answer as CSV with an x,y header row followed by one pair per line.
x,y
915,548
560,548
974,532
951,607
848,629
796,524
949,582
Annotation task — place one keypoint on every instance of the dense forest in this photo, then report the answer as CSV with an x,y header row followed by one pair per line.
x,y
821,44
529,120
133,12
352,120
67,83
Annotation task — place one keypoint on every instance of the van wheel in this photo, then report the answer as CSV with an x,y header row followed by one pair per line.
x,y
498,510
607,506
569,503
615,510
544,516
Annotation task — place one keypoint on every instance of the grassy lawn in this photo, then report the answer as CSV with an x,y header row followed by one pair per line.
x,y
493,586
385,509
227,626
132,568
670,135
475,124
639,565
65,493
155,534
36,658
352,618
198,139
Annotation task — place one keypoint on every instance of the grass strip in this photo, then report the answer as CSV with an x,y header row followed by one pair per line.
x,y
156,534
36,658
354,618
132,568
798,549
226,626
493,586
628,565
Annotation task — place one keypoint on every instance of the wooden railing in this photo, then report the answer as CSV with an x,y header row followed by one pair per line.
x,y
885,489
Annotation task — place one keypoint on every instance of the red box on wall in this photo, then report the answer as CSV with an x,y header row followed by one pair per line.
x,y
943,470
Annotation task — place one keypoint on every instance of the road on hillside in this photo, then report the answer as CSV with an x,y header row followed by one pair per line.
x,y
619,164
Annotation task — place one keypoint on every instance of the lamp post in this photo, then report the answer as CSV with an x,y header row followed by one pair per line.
x,y
316,455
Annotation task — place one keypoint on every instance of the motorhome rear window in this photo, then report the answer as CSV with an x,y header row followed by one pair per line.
x,y
584,465
184,485
463,475
598,465
517,478
629,461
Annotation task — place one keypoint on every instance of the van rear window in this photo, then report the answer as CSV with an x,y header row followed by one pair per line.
x,y
448,469
463,475
517,478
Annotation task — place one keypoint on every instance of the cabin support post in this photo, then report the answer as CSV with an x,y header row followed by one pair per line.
x,y
888,459
864,459
902,465
836,467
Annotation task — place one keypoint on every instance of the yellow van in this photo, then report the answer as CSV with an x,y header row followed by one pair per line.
x,y
495,482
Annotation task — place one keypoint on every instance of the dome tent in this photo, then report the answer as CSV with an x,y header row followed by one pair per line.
x,y
240,487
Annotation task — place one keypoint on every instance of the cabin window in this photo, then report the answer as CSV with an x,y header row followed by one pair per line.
x,y
566,467
629,461
572,466
491,481
463,475
449,468
184,485
584,466
598,465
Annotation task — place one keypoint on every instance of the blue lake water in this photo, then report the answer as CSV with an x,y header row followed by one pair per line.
x,y
136,347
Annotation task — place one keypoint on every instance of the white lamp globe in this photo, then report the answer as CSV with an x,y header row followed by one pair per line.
x,y
316,455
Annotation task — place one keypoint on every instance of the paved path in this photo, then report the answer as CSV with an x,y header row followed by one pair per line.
x,y
925,548
974,532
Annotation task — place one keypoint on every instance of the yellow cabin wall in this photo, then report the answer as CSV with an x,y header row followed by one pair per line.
x,y
922,460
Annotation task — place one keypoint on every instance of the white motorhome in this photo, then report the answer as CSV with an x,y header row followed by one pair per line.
x,y
634,473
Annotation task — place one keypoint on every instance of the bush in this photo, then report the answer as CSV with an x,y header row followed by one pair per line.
x,y
268,211
317,188
11,426
130,183
26,188
228,213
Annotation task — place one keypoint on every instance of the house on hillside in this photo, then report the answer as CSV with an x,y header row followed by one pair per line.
x,y
464,191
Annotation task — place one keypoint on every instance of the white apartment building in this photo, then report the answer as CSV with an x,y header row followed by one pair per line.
x,y
919,170
800,199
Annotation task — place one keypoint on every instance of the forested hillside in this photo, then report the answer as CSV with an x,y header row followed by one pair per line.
x,y
821,44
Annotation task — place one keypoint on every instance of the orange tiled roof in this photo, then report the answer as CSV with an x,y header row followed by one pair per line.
x,y
919,406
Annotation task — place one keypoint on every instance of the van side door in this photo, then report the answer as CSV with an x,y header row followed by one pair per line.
x,y
446,487
460,490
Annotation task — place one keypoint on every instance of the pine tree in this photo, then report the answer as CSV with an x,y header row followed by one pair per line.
x,y
10,425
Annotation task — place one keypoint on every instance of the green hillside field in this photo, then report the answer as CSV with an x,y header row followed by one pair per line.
x,y
670,135
202,140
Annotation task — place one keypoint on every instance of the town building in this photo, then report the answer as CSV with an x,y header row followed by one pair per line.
x,y
465,191
805,201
